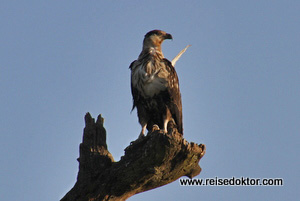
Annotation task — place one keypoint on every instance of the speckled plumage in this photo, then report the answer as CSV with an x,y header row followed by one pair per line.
x,y
155,86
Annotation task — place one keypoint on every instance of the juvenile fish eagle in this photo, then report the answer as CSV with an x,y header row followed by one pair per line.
x,y
155,86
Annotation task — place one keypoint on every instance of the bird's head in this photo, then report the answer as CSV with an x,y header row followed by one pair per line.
x,y
155,38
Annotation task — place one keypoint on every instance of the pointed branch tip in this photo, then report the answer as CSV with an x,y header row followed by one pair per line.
x,y
179,55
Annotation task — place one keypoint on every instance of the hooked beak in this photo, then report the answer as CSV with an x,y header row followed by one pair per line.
x,y
168,36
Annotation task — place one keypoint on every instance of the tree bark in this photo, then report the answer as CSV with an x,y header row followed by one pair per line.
x,y
150,162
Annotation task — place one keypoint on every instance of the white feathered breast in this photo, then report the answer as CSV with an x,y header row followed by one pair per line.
x,y
150,80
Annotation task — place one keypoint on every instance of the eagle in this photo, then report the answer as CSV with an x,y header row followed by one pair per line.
x,y
155,86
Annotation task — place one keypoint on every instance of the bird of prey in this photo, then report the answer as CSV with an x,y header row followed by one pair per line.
x,y
155,85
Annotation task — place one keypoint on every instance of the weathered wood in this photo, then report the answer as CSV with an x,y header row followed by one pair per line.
x,y
148,163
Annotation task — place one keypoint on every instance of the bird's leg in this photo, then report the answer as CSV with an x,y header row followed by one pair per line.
x,y
142,134
166,119
166,126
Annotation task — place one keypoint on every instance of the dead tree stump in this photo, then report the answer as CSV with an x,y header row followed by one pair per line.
x,y
148,163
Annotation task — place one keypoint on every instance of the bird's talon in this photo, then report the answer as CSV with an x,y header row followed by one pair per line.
x,y
155,128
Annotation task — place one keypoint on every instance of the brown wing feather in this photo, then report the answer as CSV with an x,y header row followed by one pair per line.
x,y
175,104
134,91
